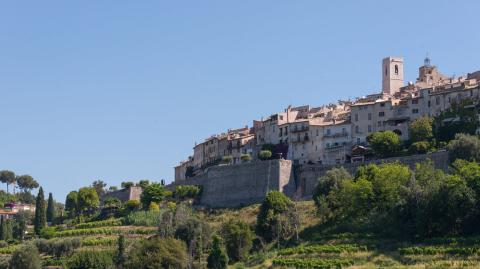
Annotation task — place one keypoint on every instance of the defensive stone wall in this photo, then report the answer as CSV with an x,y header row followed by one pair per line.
x,y
244,184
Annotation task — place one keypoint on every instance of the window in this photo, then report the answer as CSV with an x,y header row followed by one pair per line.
x,y
358,140
281,117
356,117
379,123
415,111
381,114
369,116
357,129
428,103
328,131
382,104
396,69
437,101
414,101
317,132
369,128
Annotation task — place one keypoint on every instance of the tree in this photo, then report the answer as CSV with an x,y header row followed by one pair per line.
x,y
71,204
21,220
464,146
7,177
274,204
26,257
26,183
157,253
87,199
384,144
333,180
187,191
196,234
156,192
238,239
421,129
99,187
6,229
143,183
131,205
112,188
265,154
40,221
127,185
50,208
217,259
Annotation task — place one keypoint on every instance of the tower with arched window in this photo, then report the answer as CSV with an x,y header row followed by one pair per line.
x,y
392,74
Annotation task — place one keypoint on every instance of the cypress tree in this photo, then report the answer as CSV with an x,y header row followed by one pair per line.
x,y
50,208
2,228
40,221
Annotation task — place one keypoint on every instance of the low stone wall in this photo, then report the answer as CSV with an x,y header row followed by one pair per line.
x,y
244,184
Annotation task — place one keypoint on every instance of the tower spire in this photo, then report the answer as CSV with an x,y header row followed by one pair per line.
x,y
426,62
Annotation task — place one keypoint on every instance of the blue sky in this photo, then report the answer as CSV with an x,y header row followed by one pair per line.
x,y
121,90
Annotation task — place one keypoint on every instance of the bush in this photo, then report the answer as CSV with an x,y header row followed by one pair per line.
x,y
91,259
157,253
187,191
26,257
131,205
245,158
265,154
312,263
464,146
227,159
47,232
58,247
420,147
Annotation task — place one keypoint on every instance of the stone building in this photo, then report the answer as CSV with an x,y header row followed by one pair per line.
x,y
326,135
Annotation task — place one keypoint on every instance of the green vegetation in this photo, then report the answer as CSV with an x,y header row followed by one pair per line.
x,y
155,193
217,259
40,221
385,144
265,154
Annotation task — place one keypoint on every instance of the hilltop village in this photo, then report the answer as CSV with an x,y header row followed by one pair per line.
x,y
335,133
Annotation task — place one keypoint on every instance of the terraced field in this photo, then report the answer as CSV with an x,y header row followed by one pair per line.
x,y
367,252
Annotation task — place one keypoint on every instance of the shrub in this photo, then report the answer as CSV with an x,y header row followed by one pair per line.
x,y
131,205
91,259
157,253
420,147
312,263
26,257
187,191
227,159
245,157
47,232
153,207
265,154
464,146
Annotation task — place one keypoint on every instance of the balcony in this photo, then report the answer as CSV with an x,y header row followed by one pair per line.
x,y
299,130
336,135
300,139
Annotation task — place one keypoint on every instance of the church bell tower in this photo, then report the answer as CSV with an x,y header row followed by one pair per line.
x,y
392,75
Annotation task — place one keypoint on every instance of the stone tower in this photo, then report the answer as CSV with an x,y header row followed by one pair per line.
x,y
392,75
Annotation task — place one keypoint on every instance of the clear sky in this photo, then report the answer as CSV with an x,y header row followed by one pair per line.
x,y
121,90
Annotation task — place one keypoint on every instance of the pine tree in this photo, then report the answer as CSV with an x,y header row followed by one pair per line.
x,y
40,221
2,228
50,208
